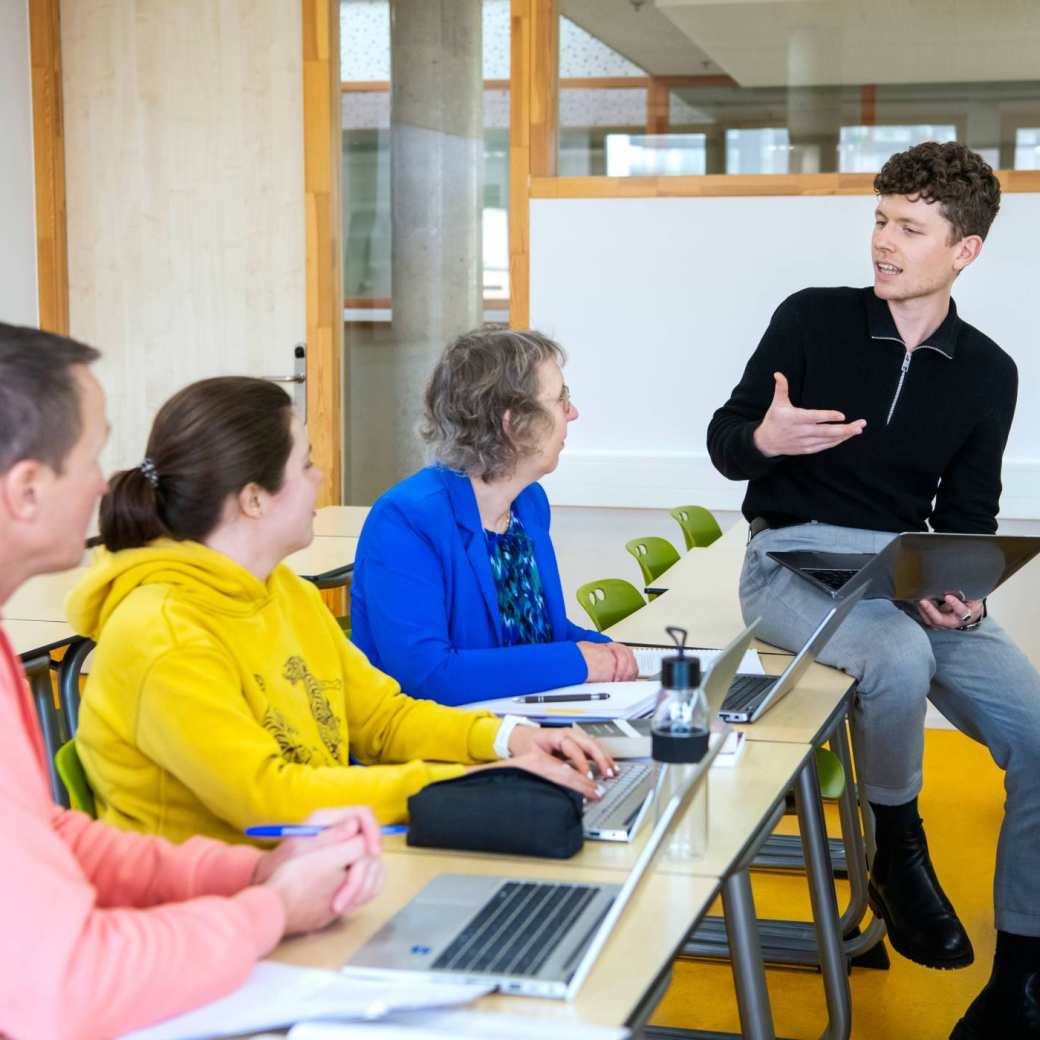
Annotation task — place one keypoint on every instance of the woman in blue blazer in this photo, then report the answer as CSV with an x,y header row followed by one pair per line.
x,y
455,590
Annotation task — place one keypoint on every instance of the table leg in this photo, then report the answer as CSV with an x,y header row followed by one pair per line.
x,y
749,976
824,903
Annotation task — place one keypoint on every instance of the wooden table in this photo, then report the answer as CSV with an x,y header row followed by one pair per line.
x,y
327,561
340,521
745,801
622,988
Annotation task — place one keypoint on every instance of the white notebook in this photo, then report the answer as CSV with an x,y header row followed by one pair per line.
x,y
615,700
278,995
649,660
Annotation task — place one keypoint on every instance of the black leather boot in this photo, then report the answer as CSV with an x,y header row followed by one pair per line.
x,y
1004,1011
906,894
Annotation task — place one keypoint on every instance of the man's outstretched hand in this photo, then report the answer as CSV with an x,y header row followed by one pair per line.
x,y
787,430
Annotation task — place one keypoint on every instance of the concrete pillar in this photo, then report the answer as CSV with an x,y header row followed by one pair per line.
x,y
436,160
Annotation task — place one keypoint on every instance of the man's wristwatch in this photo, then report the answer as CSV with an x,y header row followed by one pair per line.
x,y
505,731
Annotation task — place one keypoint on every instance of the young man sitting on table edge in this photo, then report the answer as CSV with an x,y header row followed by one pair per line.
x,y
863,413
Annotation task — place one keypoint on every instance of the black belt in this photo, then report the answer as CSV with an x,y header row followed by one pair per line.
x,y
771,523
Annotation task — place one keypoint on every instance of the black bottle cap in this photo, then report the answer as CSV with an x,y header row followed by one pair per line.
x,y
680,673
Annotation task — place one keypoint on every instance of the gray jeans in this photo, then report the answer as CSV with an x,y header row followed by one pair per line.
x,y
978,679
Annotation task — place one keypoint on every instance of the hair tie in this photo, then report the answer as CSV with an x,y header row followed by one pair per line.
x,y
151,474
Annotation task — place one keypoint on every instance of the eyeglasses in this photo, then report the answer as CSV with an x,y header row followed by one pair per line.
x,y
564,399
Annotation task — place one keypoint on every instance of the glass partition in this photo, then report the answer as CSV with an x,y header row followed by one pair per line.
x,y
683,87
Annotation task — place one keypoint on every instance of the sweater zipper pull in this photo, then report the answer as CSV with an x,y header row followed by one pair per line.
x,y
899,386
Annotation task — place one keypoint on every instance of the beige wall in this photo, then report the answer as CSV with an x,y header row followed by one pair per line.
x,y
184,159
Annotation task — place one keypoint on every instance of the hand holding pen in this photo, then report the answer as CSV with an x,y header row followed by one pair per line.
x,y
308,872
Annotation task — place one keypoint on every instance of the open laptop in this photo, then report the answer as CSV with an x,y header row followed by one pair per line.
x,y
618,815
917,565
536,938
751,696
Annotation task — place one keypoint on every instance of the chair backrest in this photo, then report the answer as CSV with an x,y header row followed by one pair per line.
x,y
70,769
68,682
654,555
609,601
699,527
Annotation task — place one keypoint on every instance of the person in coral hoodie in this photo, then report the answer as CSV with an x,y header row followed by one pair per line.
x,y
104,931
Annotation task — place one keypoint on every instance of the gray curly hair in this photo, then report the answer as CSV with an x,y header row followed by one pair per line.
x,y
479,377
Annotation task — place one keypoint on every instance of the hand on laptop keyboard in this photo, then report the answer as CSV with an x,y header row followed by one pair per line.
x,y
564,756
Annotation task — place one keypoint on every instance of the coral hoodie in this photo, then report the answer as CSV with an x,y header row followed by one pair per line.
x,y
105,932
216,701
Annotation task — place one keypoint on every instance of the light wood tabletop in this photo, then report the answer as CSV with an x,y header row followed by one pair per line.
x,y
625,972
42,598
323,555
29,637
340,521
701,596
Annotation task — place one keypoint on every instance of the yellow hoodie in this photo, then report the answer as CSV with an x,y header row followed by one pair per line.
x,y
216,701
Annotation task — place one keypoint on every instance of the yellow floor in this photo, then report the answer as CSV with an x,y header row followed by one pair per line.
x,y
962,805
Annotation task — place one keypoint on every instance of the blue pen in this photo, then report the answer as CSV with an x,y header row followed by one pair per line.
x,y
307,830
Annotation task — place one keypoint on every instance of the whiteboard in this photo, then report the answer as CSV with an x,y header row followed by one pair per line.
x,y
660,301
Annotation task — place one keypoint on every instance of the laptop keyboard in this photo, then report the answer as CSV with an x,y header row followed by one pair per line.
x,y
745,690
517,929
833,578
617,789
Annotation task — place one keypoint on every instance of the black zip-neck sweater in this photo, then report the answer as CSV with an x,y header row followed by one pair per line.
x,y
938,419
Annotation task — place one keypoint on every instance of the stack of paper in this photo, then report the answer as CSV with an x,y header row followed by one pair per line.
x,y
440,1025
649,660
617,700
275,996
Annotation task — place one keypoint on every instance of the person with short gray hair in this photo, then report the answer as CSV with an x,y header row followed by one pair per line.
x,y
456,591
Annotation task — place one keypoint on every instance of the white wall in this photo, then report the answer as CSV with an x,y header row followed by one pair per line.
x,y
660,301
18,300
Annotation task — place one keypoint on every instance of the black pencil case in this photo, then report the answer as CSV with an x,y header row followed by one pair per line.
x,y
498,810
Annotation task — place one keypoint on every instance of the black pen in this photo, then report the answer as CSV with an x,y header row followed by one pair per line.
x,y
553,698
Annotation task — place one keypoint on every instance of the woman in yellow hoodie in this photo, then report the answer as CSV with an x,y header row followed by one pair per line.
x,y
222,693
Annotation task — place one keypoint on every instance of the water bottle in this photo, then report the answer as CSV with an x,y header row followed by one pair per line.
x,y
679,740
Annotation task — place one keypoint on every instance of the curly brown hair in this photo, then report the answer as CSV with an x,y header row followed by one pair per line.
x,y
960,180
480,376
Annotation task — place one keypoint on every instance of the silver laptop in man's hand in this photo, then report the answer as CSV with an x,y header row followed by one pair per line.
x,y
916,565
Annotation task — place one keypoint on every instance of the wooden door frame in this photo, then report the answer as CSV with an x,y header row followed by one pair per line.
x,y
52,255
323,189
323,149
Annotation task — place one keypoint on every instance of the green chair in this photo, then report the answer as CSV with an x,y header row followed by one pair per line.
x,y
609,601
654,556
830,772
699,527
70,769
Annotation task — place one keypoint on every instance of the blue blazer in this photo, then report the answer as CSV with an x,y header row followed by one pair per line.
x,y
423,602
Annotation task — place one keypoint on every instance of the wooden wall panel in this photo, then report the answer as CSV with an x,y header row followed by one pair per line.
x,y
52,263
185,187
